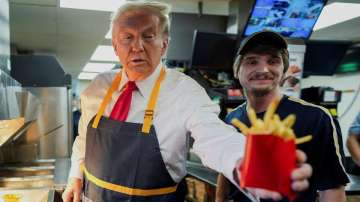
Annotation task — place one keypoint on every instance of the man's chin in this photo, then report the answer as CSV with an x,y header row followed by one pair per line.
x,y
260,92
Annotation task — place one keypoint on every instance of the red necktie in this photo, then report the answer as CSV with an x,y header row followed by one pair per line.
x,y
122,106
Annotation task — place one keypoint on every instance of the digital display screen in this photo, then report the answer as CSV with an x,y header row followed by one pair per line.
x,y
214,51
290,18
323,57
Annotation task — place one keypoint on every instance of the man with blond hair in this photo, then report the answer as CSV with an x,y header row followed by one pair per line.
x,y
132,139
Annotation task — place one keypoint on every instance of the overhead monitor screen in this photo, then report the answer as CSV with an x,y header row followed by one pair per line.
x,y
290,18
324,57
213,51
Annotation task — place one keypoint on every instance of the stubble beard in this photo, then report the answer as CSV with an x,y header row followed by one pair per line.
x,y
261,92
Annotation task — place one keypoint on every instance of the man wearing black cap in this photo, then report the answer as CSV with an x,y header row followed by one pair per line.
x,y
260,65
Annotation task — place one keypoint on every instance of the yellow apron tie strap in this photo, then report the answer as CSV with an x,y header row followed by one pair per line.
x,y
149,112
106,100
127,190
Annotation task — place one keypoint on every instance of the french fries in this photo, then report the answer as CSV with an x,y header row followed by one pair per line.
x,y
241,126
271,125
303,139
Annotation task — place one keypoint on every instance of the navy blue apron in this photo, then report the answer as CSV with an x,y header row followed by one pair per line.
x,y
123,161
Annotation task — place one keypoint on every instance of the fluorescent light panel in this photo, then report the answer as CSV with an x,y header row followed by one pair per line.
x,y
104,53
98,67
103,5
336,13
87,75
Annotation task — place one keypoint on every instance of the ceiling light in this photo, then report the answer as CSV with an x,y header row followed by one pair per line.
x,y
98,67
87,75
336,13
103,5
104,53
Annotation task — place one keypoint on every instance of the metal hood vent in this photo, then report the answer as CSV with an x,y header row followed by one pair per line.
x,y
39,71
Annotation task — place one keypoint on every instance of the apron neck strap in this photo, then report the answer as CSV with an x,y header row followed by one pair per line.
x,y
149,112
107,98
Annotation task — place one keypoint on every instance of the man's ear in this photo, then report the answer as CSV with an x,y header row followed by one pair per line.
x,y
165,44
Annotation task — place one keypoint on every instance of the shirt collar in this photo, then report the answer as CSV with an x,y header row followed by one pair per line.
x,y
144,86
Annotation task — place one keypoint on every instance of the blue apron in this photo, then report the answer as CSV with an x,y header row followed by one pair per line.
x,y
123,161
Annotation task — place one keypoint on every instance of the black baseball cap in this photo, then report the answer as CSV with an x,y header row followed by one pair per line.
x,y
263,38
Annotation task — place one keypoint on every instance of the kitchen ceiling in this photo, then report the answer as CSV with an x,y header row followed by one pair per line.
x,y
40,26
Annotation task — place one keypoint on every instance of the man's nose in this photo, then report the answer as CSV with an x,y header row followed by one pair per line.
x,y
138,44
264,67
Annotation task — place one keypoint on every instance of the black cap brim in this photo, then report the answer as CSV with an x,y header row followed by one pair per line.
x,y
263,38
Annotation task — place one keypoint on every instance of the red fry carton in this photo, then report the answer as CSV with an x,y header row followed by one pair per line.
x,y
268,163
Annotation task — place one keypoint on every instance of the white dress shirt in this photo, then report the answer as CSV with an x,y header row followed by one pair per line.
x,y
182,107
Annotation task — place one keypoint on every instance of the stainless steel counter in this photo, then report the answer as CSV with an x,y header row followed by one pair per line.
x,y
353,188
199,171
37,181
209,176
62,167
